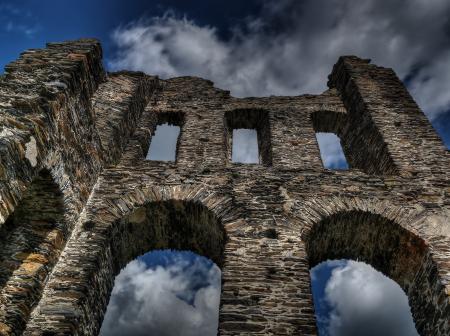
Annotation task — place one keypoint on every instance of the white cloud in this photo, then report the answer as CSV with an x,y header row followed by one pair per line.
x,y
156,301
365,302
290,48
432,85
170,47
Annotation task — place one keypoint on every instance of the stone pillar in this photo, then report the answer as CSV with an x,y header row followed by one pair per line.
x,y
46,120
266,287
388,132
118,105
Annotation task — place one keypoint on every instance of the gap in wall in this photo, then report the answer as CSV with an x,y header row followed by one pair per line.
x,y
163,144
331,151
351,298
245,146
165,292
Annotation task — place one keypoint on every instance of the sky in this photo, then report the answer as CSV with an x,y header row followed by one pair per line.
x,y
244,146
353,299
253,48
163,144
183,286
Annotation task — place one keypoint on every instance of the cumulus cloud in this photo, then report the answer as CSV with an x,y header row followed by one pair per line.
x,y
290,47
179,299
365,302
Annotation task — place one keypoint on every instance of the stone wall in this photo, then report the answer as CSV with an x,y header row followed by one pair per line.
x,y
266,225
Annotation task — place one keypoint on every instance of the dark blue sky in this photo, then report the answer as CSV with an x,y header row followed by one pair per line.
x,y
36,22
28,24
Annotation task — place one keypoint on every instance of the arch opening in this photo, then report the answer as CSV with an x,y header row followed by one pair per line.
x,y
165,292
351,298
390,249
166,228
31,241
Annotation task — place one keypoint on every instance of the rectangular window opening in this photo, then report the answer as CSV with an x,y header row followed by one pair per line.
x,y
245,146
331,151
247,137
163,144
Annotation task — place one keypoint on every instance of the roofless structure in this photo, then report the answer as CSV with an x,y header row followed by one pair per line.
x,y
78,199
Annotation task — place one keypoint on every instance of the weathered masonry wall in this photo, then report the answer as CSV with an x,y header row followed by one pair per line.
x,y
53,101
78,200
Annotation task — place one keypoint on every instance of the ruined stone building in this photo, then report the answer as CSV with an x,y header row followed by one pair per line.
x,y
78,199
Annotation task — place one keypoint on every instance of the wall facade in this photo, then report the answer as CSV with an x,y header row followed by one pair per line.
x,y
75,137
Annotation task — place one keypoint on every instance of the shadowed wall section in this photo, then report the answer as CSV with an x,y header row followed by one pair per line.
x,y
32,239
363,146
176,225
48,124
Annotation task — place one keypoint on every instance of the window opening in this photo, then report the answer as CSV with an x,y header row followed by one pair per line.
x,y
352,298
331,151
163,144
247,136
245,146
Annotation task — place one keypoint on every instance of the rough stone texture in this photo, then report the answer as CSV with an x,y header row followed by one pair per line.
x,y
78,200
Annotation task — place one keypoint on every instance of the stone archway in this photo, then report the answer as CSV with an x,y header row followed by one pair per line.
x,y
389,247
172,224
117,230
168,224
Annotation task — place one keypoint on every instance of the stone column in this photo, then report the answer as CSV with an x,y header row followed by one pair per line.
x,y
388,132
